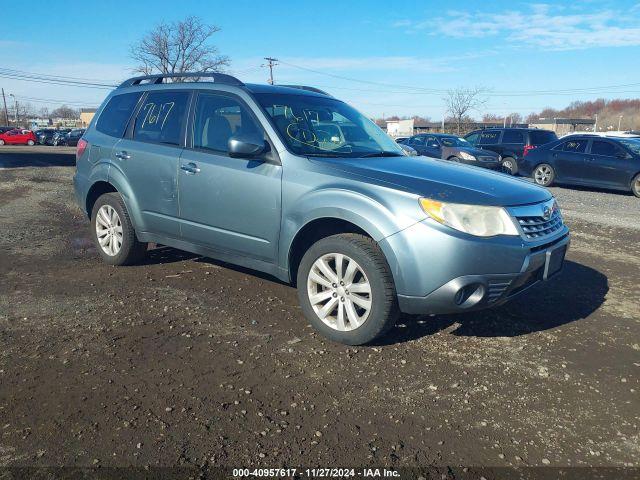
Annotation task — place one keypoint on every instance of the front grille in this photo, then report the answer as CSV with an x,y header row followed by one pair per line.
x,y
535,228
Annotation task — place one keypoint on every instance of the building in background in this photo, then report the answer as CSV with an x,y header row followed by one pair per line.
x,y
406,128
86,115
563,126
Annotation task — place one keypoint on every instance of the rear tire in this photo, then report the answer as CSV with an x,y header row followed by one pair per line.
x,y
113,232
544,175
31,143
509,165
635,185
351,317
1,142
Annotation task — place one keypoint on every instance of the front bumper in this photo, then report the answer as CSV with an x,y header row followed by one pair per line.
x,y
474,292
438,271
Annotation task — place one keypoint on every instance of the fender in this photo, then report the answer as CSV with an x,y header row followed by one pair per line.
x,y
379,219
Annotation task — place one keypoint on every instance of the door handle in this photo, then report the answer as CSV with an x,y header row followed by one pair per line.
x,y
123,155
190,168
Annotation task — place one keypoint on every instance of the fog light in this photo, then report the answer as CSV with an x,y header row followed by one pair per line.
x,y
469,295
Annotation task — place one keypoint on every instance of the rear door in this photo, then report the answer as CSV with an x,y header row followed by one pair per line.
x,y
148,156
232,204
607,164
568,159
432,147
512,143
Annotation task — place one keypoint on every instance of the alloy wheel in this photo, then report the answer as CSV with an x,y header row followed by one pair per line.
x,y
339,291
543,175
109,230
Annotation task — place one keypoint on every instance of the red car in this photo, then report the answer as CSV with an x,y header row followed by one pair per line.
x,y
18,137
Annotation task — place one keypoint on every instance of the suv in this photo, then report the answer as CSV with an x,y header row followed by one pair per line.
x,y
512,144
290,181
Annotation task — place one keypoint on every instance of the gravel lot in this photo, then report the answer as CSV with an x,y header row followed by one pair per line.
x,y
187,361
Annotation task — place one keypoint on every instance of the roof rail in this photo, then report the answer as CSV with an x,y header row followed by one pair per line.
x,y
304,87
157,79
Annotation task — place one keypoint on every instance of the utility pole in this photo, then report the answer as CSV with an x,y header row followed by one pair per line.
x,y
6,113
619,122
272,63
595,125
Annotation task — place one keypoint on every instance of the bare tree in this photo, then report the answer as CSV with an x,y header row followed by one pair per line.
x,y
461,101
65,112
179,47
514,118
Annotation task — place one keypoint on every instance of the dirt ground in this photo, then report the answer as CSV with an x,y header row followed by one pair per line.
x,y
186,361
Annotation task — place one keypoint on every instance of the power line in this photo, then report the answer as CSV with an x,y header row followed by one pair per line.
x,y
22,72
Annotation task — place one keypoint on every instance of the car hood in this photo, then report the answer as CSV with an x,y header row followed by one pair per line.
x,y
442,180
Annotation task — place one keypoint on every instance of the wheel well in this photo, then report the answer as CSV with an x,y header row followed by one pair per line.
x,y
452,156
311,233
96,190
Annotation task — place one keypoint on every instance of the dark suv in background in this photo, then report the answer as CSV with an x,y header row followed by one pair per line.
x,y
512,144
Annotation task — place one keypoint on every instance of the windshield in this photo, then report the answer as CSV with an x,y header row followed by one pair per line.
x,y
454,142
632,144
325,127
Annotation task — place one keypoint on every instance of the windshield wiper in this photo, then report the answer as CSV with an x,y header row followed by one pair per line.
x,y
381,154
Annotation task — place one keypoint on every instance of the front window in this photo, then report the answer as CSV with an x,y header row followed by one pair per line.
x,y
454,142
326,127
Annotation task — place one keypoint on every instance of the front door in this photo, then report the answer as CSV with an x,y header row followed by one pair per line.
x,y
148,156
231,204
607,164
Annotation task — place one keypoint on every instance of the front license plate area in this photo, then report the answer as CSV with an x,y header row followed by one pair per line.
x,y
554,262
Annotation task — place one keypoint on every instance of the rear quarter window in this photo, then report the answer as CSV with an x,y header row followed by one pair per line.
x,y
541,137
116,114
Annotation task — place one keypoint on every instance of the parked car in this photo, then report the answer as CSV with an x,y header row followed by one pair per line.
x,y
401,139
510,143
45,136
408,150
70,139
455,149
613,133
267,179
17,137
58,137
5,129
605,162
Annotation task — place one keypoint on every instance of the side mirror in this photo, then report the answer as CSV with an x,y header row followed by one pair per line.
x,y
247,145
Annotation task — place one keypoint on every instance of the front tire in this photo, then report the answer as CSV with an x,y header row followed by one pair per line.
x,y
113,232
509,165
346,289
635,185
1,142
544,175
31,143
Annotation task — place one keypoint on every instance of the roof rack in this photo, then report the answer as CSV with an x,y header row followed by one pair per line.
x,y
157,79
304,87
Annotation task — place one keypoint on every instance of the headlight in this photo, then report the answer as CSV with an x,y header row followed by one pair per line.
x,y
467,156
472,219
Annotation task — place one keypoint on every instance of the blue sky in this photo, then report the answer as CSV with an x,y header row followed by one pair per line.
x,y
370,52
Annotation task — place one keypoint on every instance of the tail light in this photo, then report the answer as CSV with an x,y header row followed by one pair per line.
x,y
527,149
82,146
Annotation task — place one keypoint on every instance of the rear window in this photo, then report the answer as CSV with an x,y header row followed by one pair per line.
x,y
512,136
113,119
576,146
541,137
161,118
